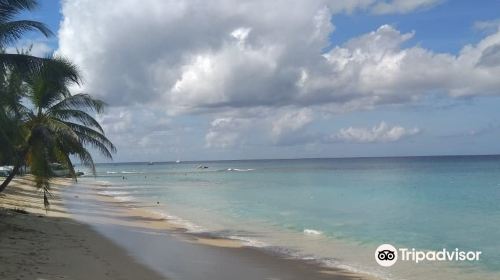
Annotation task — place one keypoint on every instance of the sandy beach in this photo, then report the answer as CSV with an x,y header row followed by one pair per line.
x,y
89,236
50,245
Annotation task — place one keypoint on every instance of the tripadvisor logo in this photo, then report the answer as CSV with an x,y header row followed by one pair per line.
x,y
387,255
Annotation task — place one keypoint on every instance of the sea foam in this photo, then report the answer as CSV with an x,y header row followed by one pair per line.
x,y
312,232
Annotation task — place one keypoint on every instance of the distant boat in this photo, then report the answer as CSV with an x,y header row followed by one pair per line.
x,y
202,166
177,161
151,163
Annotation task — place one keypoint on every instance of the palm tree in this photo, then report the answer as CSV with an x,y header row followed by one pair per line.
x,y
56,124
12,67
40,120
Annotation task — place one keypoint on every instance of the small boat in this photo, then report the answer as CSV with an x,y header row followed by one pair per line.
x,y
151,163
177,161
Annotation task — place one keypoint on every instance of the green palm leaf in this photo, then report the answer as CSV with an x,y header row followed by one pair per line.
x,y
12,31
10,8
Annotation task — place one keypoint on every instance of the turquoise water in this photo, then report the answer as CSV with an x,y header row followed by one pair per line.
x,y
336,210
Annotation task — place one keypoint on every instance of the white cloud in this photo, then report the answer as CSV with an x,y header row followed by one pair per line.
x,y
403,6
375,68
290,123
286,126
178,57
136,126
225,132
235,76
241,34
379,133
236,49
256,65
488,25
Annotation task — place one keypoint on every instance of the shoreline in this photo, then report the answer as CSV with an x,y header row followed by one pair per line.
x,y
35,244
137,239
220,249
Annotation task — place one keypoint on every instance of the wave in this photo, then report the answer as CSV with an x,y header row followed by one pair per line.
x,y
194,228
113,193
250,242
118,195
125,198
312,232
240,170
189,226
100,183
123,172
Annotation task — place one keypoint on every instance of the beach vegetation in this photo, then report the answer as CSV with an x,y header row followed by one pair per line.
x,y
42,122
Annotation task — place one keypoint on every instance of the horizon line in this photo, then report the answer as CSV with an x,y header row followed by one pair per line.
x,y
308,158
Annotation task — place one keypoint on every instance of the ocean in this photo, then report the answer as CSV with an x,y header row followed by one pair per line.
x,y
334,211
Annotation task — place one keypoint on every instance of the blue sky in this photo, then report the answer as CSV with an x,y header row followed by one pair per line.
x,y
48,12
167,84
446,27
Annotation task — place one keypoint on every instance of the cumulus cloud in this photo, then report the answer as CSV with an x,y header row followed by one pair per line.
x,y
186,56
379,133
290,123
189,54
225,132
137,127
279,127
375,66
247,64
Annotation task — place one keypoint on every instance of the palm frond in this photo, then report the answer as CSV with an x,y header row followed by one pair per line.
x,y
24,64
94,138
10,8
76,115
80,101
12,31
60,70
49,83
66,162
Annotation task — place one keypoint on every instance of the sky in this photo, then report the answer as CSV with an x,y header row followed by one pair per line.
x,y
221,79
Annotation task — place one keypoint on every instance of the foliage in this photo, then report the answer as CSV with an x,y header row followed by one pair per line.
x,y
41,121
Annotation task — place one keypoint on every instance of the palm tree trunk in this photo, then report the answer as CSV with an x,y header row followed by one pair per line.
x,y
10,177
